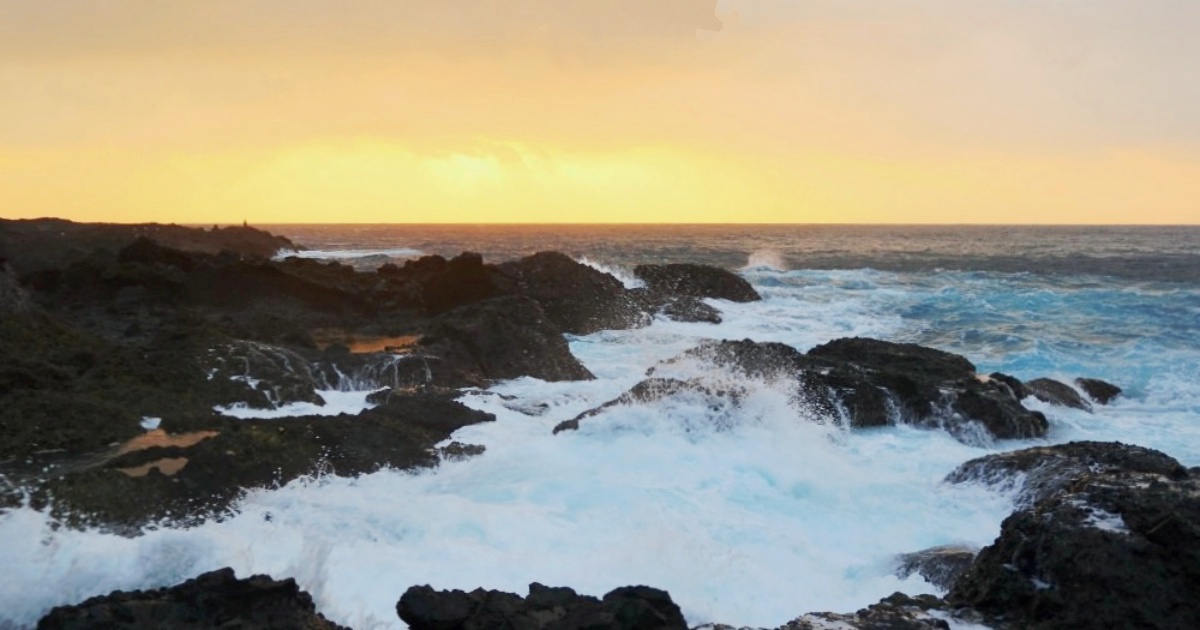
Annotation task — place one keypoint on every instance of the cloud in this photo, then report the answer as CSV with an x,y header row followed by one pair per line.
x,y
90,27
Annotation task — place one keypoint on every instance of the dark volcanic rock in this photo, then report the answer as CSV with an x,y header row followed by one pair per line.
x,y
1057,393
237,455
626,608
940,566
40,244
895,612
501,338
580,299
700,281
1098,390
212,600
690,309
1040,472
867,382
463,279
1115,546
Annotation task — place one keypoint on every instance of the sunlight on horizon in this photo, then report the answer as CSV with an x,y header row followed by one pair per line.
x,y
530,112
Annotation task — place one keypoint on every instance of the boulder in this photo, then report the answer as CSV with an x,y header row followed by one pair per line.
x,y
867,382
625,608
1044,471
1098,390
698,281
1057,393
895,612
501,338
940,566
463,279
579,298
690,309
1115,544
213,600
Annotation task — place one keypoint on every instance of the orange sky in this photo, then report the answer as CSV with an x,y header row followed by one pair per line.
x,y
280,111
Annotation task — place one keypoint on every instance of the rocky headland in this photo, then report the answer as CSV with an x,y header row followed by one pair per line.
x,y
120,344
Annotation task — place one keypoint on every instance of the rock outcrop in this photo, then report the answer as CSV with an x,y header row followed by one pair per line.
x,y
1100,391
37,244
579,299
625,608
502,338
1108,536
1056,393
861,383
698,281
940,566
213,600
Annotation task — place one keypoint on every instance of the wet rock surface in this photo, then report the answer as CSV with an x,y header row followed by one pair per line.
x,y
1035,474
940,566
1100,391
861,383
105,326
1056,393
579,299
1113,542
558,608
213,600
698,281
243,454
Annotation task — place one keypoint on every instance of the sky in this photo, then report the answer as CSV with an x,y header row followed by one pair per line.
x,y
660,111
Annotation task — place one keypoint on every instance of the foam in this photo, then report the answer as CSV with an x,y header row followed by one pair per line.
x,y
628,279
343,254
336,403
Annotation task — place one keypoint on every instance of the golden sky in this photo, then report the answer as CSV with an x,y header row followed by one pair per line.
x,y
777,111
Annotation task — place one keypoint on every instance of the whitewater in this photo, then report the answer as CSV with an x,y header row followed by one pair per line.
x,y
749,515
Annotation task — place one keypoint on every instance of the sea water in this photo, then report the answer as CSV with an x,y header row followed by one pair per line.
x,y
749,514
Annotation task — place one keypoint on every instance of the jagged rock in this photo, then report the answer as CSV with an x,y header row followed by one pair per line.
x,y
1116,545
213,600
895,612
502,338
463,279
699,281
1041,472
625,608
241,454
456,451
867,382
940,566
690,309
1057,393
579,298
1099,391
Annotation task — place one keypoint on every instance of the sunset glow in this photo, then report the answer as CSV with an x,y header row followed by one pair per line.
x,y
537,111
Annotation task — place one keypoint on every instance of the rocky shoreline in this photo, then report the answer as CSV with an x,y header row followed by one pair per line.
x,y
121,344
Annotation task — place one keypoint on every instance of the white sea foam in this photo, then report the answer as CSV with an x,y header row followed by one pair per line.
x,y
628,279
336,402
343,254
766,259
751,524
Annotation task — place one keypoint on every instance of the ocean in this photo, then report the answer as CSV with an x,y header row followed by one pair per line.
x,y
747,515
